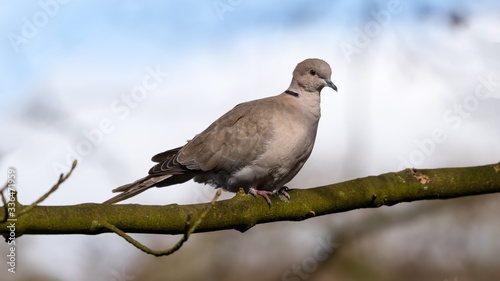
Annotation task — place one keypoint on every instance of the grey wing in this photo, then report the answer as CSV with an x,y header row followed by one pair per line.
x,y
167,163
231,142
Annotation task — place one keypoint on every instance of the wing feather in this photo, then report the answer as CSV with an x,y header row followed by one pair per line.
x,y
232,141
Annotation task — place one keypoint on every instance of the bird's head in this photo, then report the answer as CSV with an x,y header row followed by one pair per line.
x,y
312,75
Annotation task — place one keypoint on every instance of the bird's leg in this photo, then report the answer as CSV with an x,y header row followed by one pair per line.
x,y
263,193
283,190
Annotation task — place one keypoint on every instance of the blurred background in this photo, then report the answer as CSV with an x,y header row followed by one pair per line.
x,y
111,83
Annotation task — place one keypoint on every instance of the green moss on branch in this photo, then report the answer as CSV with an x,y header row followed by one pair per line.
x,y
244,211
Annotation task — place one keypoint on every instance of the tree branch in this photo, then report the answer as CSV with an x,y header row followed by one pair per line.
x,y
189,229
244,211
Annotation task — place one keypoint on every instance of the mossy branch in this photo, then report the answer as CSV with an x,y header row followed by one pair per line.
x,y
244,211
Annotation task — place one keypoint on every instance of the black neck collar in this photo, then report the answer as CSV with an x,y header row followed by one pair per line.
x,y
292,93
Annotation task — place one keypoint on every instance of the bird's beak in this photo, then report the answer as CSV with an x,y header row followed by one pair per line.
x,y
330,84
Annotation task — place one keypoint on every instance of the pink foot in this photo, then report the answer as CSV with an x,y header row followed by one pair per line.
x,y
283,191
263,193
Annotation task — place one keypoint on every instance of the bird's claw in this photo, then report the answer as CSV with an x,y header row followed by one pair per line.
x,y
283,190
263,193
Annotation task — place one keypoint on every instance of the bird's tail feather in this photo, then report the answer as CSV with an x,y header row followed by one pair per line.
x,y
132,189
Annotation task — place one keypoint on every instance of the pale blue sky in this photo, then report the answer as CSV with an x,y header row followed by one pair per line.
x,y
107,32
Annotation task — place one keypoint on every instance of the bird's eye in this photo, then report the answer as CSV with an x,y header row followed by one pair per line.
x,y
312,72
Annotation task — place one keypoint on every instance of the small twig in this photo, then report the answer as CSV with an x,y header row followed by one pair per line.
x,y
62,178
6,209
177,246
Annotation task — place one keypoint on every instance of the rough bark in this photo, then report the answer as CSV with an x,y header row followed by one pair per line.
x,y
244,211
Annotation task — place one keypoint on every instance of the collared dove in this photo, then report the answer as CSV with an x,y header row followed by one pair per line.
x,y
259,145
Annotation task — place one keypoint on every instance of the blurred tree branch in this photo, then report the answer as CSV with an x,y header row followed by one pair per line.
x,y
244,211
